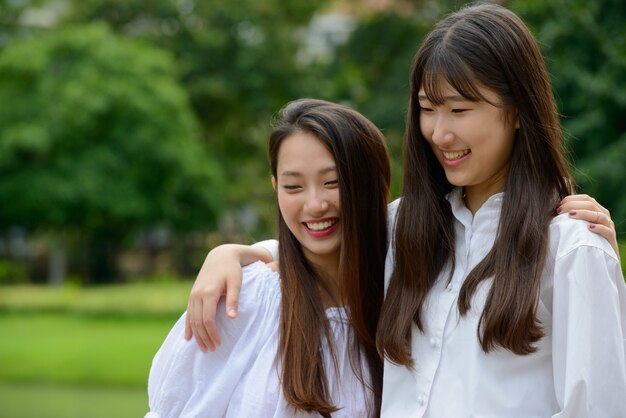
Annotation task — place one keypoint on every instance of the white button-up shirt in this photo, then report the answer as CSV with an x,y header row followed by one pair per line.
x,y
579,369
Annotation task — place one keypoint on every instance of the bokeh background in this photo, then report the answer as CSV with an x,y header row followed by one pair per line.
x,y
133,136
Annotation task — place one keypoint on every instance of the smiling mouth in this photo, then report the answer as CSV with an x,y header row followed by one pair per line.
x,y
455,155
320,226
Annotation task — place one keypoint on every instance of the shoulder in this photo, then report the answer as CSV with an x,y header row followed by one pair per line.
x,y
260,288
259,272
184,379
568,235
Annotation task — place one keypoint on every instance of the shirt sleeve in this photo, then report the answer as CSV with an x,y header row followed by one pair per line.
x,y
185,381
589,320
271,245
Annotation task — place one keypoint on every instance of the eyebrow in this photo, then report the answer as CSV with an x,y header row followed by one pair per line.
x,y
298,174
451,98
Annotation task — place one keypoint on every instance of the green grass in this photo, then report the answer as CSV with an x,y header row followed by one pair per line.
x,y
71,352
168,298
34,400
69,348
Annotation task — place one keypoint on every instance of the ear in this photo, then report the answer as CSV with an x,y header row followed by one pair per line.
x,y
274,182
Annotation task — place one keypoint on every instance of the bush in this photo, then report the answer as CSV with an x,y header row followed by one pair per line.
x,y
13,272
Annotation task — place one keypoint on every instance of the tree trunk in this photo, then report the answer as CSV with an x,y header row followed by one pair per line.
x,y
57,264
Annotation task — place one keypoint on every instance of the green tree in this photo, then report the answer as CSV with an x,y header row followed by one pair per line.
x,y
371,72
238,62
585,46
97,140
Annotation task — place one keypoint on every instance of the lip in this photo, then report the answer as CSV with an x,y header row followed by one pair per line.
x,y
322,233
456,162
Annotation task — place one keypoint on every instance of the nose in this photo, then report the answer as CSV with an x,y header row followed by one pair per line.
x,y
316,203
441,133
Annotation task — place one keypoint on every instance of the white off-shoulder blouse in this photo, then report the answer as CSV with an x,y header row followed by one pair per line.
x,y
242,377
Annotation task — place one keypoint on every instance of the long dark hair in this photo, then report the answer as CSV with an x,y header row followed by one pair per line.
x,y
479,46
361,157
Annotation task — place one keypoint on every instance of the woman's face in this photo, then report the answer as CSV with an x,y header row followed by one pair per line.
x,y
472,140
307,187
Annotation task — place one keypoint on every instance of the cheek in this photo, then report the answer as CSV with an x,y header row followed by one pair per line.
x,y
286,206
335,199
426,126
506,145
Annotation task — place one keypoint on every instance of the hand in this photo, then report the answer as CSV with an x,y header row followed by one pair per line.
x,y
220,275
582,206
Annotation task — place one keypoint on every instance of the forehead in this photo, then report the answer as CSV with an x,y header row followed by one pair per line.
x,y
440,90
303,152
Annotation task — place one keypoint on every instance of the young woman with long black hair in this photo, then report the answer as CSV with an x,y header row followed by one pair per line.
x,y
495,307
303,343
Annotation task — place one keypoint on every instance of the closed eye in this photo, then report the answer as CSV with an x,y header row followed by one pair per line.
x,y
291,187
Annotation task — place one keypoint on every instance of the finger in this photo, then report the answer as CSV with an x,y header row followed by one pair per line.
x,y
600,208
209,310
576,197
599,223
195,319
581,201
593,216
581,205
232,297
188,329
607,233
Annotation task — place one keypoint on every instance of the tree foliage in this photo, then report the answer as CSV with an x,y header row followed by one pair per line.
x,y
127,114
238,63
585,46
371,72
97,135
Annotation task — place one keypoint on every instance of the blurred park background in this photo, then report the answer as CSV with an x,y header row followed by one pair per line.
x,y
133,136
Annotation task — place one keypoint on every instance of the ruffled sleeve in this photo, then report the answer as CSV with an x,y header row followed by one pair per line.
x,y
184,381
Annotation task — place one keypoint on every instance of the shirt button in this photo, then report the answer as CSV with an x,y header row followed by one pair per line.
x,y
421,400
450,288
434,342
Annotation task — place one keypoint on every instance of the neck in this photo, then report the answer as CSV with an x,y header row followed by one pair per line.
x,y
475,196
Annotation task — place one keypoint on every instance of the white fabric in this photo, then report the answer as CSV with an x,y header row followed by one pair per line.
x,y
241,378
579,369
271,245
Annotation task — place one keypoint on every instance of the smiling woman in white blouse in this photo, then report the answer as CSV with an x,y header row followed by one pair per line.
x,y
495,307
304,341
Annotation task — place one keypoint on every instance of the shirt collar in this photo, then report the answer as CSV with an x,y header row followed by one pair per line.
x,y
488,212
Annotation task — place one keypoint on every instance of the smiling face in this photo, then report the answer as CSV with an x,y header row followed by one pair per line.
x,y
307,187
471,140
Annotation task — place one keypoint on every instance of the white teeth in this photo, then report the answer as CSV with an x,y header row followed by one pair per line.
x,y
455,155
318,226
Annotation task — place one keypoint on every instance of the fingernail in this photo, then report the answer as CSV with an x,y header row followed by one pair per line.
x,y
232,313
558,208
572,212
592,226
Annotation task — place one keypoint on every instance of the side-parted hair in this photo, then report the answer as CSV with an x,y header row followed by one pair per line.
x,y
362,162
478,46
